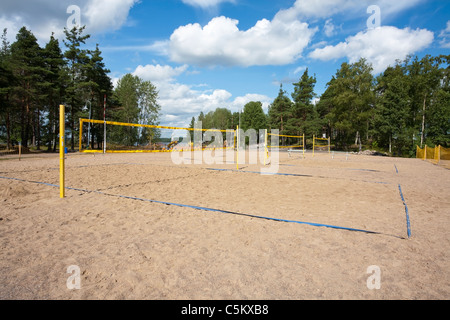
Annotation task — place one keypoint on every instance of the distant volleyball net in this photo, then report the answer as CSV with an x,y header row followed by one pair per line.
x,y
97,136
321,145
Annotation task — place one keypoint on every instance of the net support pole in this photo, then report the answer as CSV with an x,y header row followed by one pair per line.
x,y
303,138
237,147
104,124
266,150
80,146
62,144
314,144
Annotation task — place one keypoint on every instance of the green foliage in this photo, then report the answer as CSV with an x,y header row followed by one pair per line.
x,y
136,102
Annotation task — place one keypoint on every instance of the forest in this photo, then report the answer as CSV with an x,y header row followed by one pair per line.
x,y
35,81
406,105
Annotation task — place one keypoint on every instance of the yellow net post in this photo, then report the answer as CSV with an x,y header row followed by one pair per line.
x,y
62,145
314,144
266,150
237,149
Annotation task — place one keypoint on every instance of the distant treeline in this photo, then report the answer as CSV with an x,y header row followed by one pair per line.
x,y
407,105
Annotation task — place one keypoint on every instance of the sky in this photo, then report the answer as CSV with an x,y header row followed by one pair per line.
x,y
206,54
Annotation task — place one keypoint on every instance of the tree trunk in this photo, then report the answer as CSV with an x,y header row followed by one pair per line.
x,y
8,132
423,122
390,143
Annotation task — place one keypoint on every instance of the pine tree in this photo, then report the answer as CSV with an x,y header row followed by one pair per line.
x,y
27,68
304,118
78,89
280,111
53,89
6,83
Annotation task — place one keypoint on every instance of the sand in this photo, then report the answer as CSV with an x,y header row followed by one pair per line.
x,y
131,249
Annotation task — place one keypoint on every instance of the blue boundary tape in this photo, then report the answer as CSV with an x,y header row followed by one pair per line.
x,y
201,208
408,222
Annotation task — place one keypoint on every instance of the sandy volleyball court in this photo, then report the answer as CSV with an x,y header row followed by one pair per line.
x,y
149,249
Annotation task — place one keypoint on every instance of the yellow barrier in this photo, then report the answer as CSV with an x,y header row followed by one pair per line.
x,y
435,155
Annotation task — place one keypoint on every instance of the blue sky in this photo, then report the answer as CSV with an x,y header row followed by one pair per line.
x,y
204,54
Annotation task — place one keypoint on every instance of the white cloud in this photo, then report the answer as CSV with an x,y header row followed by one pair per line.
x,y
106,15
380,46
221,42
326,8
180,102
329,29
46,16
205,3
445,36
158,73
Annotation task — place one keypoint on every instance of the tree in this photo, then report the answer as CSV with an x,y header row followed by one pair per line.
x,y
280,111
27,68
353,101
137,103
392,110
78,88
53,89
304,118
426,78
253,116
6,82
438,115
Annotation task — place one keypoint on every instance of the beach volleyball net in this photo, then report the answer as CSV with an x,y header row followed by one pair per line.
x,y
280,141
97,136
321,145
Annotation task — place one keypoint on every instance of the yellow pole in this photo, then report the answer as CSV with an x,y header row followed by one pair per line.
x,y
237,149
62,145
80,146
20,150
266,150
303,146
314,142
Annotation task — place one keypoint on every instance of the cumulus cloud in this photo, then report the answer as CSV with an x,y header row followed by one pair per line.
x,y
46,16
221,42
380,46
180,102
158,73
